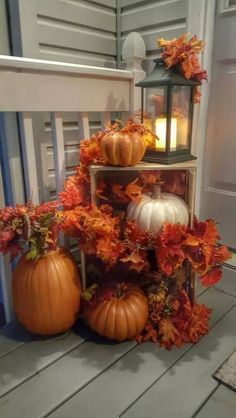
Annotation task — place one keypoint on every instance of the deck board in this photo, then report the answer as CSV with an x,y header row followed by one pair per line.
x,y
29,359
113,391
222,403
12,337
62,379
189,382
53,378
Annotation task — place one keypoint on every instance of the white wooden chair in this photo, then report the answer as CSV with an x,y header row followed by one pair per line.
x,y
31,85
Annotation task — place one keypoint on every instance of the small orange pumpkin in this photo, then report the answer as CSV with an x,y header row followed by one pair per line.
x,y
47,292
123,148
122,316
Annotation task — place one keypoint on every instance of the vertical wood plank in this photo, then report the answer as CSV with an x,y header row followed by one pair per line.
x,y
83,121
83,269
5,272
9,122
29,158
58,149
84,132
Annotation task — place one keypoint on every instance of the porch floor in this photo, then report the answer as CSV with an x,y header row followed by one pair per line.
x,y
81,375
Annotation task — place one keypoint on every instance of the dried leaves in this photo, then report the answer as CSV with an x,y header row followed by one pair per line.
x,y
32,228
184,53
181,323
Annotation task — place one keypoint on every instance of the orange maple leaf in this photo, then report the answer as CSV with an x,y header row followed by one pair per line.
x,y
133,191
137,262
72,196
108,250
168,333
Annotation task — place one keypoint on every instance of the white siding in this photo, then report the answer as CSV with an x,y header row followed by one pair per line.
x,y
153,19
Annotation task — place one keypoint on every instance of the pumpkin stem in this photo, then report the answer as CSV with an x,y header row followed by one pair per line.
x,y
120,290
156,192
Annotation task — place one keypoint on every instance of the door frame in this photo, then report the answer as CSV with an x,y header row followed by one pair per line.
x,y
201,22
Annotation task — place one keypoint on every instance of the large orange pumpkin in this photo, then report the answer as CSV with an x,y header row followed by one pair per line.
x,y
123,149
46,292
122,316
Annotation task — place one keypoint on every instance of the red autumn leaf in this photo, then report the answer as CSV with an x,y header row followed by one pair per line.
x,y
211,277
221,254
149,334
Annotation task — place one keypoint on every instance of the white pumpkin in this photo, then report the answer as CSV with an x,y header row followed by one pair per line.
x,y
151,213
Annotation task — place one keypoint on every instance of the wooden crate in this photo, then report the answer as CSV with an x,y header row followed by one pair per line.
x,y
124,175
189,166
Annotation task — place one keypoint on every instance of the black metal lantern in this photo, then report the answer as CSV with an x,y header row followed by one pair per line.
x,y
167,109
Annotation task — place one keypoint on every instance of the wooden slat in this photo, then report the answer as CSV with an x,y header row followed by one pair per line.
x,y
5,272
58,150
29,359
66,38
71,154
228,283
75,93
44,66
12,337
5,283
83,120
77,13
55,384
150,37
153,14
4,32
189,383
29,160
83,270
52,52
222,403
113,391
108,3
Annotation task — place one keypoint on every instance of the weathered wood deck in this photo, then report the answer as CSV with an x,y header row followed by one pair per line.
x,y
81,375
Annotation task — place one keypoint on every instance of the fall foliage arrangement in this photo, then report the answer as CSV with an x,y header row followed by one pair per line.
x,y
141,249
183,53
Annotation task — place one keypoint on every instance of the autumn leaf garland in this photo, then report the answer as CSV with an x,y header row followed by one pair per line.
x,y
112,239
183,52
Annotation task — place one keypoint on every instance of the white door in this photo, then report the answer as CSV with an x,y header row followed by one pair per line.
x,y
218,196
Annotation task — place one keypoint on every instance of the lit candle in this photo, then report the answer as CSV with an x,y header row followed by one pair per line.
x,y
161,133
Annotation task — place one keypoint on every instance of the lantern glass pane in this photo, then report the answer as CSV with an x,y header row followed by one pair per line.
x,y
180,118
155,115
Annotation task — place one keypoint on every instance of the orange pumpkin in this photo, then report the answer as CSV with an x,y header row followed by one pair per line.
x,y
122,316
46,292
123,149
